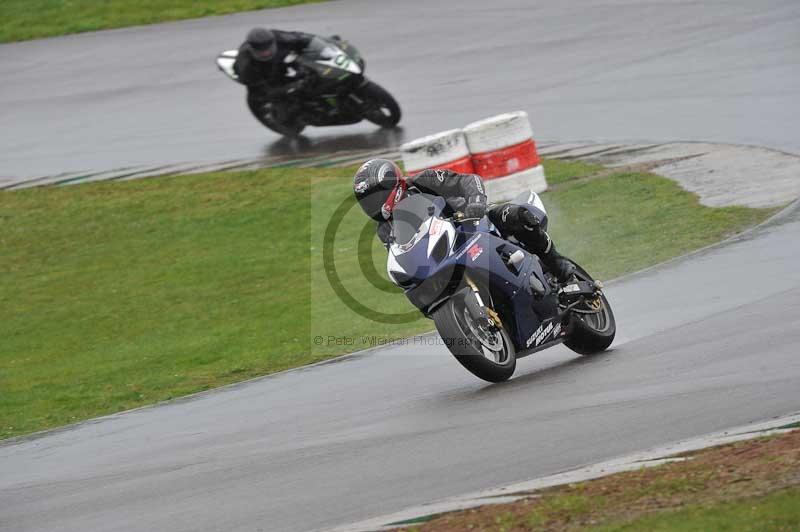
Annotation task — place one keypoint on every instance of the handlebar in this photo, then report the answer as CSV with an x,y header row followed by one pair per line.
x,y
459,216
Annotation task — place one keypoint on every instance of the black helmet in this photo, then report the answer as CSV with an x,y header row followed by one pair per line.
x,y
262,44
378,186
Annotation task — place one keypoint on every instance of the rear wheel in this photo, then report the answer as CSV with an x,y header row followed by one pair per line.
x,y
592,326
487,353
380,107
264,112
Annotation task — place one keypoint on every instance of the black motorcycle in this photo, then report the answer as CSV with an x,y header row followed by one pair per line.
x,y
337,91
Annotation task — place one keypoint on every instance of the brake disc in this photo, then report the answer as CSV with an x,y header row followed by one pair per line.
x,y
489,339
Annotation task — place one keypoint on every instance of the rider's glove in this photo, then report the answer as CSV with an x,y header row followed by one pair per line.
x,y
476,207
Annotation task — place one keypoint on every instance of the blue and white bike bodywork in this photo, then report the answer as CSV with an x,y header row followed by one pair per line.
x,y
492,301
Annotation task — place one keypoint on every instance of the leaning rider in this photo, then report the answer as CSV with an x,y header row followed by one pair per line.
x,y
379,185
261,66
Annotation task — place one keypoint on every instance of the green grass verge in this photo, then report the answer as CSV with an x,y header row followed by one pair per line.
x,y
744,486
779,511
33,19
117,295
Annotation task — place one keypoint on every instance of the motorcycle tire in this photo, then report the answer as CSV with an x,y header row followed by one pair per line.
x,y
381,107
452,323
591,333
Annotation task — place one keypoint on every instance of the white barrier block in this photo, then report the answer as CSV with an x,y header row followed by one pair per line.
x,y
498,132
434,150
506,188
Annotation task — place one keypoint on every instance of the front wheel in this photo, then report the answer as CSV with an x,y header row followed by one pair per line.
x,y
487,354
592,326
380,107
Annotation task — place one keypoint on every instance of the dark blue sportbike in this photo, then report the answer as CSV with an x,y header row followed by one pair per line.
x,y
491,300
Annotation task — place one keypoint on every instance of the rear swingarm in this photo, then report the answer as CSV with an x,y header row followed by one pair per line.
x,y
575,293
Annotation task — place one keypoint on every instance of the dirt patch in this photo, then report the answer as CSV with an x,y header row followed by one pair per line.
x,y
719,474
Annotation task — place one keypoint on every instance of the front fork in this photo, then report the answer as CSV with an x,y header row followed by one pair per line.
x,y
478,310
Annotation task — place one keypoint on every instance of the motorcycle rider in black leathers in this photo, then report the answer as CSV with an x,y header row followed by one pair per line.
x,y
261,66
379,185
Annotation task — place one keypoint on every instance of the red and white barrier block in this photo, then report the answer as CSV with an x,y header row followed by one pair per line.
x,y
447,149
504,155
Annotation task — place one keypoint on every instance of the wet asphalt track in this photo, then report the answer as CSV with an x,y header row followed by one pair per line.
x,y
705,343
724,71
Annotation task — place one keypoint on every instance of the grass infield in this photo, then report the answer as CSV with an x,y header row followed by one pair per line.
x,y
34,19
118,295
750,486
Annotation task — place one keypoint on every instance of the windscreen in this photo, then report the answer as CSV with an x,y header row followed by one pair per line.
x,y
409,215
316,46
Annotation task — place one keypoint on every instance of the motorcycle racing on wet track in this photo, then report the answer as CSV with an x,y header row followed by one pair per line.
x,y
296,80
349,266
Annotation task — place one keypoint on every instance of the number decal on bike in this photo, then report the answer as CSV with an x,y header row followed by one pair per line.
x,y
334,57
342,61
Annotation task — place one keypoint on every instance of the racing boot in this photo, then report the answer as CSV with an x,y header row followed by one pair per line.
x,y
562,267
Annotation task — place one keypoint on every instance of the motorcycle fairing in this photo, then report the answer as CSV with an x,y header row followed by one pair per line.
x,y
333,56
330,60
479,251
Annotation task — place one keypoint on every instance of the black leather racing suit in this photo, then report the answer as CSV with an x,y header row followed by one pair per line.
x,y
267,80
460,190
